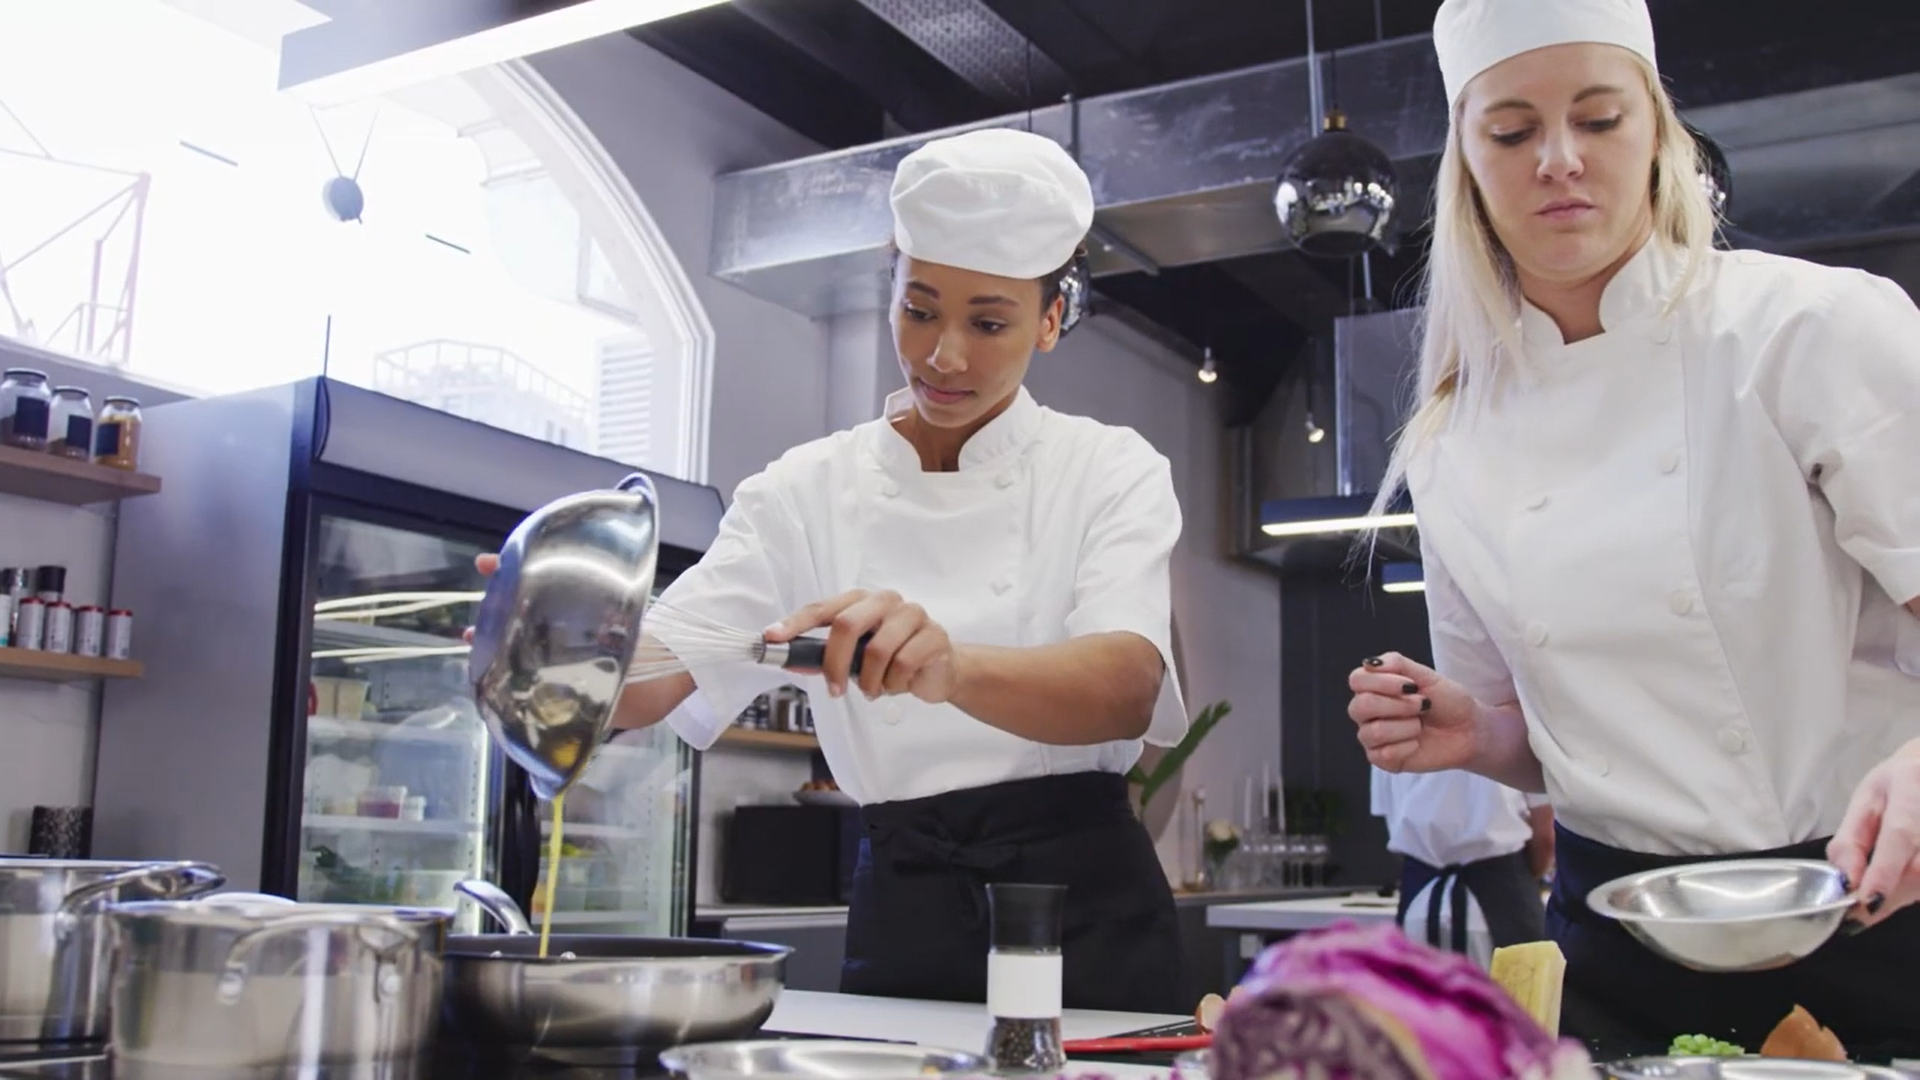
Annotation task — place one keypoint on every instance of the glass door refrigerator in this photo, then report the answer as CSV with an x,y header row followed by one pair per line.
x,y
305,577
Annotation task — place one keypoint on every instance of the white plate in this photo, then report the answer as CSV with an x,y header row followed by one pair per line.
x,y
823,798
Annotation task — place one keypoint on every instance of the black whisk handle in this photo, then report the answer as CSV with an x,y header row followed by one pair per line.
x,y
810,653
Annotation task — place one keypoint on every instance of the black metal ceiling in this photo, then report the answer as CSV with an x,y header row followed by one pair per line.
x,y
845,73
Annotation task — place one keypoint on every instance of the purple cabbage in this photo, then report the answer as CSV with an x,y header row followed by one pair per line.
x,y
1369,1003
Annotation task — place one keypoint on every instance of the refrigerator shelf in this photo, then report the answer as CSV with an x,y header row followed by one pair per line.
x,y
334,727
344,823
346,634
586,831
595,918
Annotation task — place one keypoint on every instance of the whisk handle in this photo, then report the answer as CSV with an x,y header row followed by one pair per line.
x,y
810,653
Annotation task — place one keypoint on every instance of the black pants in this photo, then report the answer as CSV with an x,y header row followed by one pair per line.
x,y
918,926
1860,986
1505,887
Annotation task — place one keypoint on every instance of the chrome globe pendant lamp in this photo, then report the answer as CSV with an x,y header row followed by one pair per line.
x,y
1337,193
1715,175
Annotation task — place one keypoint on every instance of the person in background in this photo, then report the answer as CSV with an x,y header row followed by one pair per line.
x,y
1474,855
1669,510
1010,565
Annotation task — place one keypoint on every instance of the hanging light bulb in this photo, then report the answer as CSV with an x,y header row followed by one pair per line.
x,y
1337,193
1208,371
1315,432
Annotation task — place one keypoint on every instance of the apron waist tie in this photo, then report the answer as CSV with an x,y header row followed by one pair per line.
x,y
970,865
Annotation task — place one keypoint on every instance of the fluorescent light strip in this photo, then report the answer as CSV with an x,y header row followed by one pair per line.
x,y
1404,586
1333,525
515,40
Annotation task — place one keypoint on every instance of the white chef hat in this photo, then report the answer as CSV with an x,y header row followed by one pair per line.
x,y
996,201
1473,35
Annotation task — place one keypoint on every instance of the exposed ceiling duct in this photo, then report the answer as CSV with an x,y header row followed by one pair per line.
x,y
1183,173
978,45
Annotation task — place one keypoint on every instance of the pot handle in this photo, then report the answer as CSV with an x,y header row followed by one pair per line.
x,y
233,980
174,881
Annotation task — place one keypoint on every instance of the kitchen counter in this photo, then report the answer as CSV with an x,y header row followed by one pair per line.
x,y
1292,916
948,1025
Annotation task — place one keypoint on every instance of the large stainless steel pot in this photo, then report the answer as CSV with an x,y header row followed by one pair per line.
x,y
53,940
245,987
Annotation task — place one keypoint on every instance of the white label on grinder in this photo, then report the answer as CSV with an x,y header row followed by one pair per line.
x,y
1023,986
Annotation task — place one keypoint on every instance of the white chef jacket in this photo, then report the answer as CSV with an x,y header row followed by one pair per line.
x,y
1453,817
1053,527
1681,547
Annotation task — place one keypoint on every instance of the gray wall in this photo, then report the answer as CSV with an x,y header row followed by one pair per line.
x,y
672,132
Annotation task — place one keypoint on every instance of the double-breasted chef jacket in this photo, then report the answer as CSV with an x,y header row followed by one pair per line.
x,y
1466,883
1053,527
1682,547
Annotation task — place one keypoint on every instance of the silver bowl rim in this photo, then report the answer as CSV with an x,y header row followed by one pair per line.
x,y
1597,898
968,1060
463,947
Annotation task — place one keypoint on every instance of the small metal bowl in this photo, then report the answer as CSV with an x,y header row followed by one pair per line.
x,y
1733,916
1745,1068
818,1059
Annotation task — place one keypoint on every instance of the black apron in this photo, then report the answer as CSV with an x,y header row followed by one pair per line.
x,y
918,926
1861,985
1504,885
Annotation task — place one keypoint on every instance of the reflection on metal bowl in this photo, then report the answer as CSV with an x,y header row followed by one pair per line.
x,y
1729,916
818,1060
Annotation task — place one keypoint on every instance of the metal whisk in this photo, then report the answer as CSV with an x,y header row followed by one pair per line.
x,y
698,639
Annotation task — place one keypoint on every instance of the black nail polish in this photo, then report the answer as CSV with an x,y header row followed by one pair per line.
x,y
1874,902
1426,703
1851,926
1409,688
1373,661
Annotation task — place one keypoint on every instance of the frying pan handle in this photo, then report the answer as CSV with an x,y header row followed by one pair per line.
x,y
809,653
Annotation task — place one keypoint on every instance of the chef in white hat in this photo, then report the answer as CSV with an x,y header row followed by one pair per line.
x,y
1669,502
1009,565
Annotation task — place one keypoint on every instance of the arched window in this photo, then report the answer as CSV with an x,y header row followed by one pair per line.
x,y
466,244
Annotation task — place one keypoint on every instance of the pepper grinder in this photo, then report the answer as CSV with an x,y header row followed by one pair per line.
x,y
1024,978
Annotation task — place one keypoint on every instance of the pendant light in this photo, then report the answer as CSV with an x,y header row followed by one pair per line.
x,y
1336,194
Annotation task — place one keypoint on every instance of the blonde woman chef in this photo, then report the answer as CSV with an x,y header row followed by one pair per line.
x,y
1669,499
1011,565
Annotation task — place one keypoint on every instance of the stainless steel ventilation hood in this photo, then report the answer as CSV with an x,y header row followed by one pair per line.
x,y
1183,173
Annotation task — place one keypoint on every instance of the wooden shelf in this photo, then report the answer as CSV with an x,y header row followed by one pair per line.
x,y
63,667
51,478
768,740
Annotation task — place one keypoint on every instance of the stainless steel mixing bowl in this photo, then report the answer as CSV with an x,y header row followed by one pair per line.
x,y
1735,915
819,1059
558,626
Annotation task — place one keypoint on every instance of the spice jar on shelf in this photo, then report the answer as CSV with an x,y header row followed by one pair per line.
x,y
25,408
116,440
71,432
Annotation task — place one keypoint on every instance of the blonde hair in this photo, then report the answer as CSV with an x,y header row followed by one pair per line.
x,y
1470,295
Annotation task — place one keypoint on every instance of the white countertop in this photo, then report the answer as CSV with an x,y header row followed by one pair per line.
x,y
945,1024
1360,907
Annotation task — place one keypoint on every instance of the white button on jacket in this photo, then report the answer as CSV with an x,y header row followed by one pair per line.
x,y
1053,527
1728,654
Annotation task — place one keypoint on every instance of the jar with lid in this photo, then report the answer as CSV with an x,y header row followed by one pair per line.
x,y
71,432
116,439
26,404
